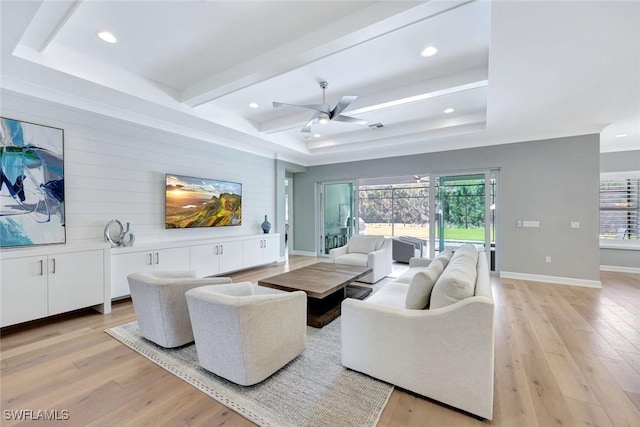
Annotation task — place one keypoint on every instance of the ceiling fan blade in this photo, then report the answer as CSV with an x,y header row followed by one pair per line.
x,y
344,103
315,107
349,120
307,126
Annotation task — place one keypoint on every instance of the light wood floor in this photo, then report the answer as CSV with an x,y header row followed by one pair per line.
x,y
565,356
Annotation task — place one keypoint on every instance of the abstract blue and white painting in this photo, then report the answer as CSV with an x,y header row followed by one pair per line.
x,y
31,184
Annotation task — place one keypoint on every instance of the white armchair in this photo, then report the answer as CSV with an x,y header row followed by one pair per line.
x,y
366,251
244,332
160,305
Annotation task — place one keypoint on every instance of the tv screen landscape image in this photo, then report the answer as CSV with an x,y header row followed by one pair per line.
x,y
200,202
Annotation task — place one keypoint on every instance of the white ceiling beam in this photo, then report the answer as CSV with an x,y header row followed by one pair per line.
x,y
454,83
47,22
420,127
376,21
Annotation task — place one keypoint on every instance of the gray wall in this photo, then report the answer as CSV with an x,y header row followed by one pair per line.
x,y
554,181
621,161
624,258
282,170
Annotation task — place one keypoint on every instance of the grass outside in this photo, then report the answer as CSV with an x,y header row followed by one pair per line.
x,y
422,232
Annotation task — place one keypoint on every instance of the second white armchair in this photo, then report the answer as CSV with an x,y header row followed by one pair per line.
x,y
366,251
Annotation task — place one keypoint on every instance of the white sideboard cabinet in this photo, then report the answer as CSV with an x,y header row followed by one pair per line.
x,y
214,258
139,261
43,282
262,250
208,257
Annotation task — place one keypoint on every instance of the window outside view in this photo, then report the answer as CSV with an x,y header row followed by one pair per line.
x,y
403,210
619,208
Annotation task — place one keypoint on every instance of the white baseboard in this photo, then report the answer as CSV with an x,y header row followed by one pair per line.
x,y
551,279
620,269
303,253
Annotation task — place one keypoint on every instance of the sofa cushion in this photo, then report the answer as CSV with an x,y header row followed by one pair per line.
x,y
353,259
445,256
365,244
458,280
390,295
408,275
421,285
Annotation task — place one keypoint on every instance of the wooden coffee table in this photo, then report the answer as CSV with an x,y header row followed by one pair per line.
x,y
325,284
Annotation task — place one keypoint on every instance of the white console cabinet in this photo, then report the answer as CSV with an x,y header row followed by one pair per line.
x,y
205,257
46,284
263,250
211,259
125,263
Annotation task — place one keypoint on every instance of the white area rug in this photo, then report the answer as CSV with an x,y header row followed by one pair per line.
x,y
312,390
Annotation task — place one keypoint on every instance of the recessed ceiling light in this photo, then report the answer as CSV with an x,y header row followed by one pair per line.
x,y
449,111
253,105
107,37
621,135
428,51
316,135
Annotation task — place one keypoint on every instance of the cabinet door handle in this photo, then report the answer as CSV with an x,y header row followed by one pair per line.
x,y
54,266
41,268
265,244
150,259
221,249
216,253
157,258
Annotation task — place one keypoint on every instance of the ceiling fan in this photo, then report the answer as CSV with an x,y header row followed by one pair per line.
x,y
323,112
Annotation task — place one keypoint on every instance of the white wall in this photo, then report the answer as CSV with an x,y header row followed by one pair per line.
x,y
115,169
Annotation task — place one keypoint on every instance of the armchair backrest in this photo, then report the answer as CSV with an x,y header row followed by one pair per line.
x,y
364,244
178,274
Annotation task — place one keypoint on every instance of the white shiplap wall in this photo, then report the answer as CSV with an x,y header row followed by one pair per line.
x,y
116,169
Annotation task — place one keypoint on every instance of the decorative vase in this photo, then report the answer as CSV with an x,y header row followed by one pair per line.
x,y
266,225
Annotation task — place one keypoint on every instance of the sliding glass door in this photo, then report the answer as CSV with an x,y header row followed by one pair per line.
x,y
337,211
464,212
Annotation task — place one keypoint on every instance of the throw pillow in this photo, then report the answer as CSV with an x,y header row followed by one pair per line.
x,y
458,280
445,257
422,284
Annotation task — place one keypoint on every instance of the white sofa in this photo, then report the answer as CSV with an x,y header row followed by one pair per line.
x,y
366,251
245,332
444,353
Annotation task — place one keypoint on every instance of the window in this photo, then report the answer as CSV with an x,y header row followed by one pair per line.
x,y
619,208
396,209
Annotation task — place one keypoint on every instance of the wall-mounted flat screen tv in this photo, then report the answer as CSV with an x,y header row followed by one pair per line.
x,y
200,202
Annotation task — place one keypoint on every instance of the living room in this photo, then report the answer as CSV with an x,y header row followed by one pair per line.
x,y
119,146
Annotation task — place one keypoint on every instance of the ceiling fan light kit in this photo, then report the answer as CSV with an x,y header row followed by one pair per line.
x,y
323,113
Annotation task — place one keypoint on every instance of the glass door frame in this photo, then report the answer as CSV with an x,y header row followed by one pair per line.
x,y
433,221
320,212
